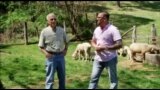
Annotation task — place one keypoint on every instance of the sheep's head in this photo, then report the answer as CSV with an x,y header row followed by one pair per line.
x,y
119,51
126,50
155,49
74,55
122,52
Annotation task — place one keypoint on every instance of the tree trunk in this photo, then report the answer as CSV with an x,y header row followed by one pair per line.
x,y
72,18
118,4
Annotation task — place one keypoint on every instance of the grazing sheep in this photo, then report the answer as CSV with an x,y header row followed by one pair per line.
x,y
82,51
124,51
127,50
142,48
119,51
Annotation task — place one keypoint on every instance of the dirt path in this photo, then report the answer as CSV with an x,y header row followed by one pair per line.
x,y
132,65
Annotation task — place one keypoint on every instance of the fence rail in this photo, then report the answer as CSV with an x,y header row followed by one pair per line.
x,y
153,38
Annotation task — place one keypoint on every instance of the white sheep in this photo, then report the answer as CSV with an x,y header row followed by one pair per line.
x,y
124,51
120,52
82,51
142,48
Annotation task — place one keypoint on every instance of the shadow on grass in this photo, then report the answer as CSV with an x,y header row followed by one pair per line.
x,y
135,79
79,84
35,42
144,5
20,71
96,8
125,22
149,5
3,46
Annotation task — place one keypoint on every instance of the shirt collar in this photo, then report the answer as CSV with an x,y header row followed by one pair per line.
x,y
52,29
106,27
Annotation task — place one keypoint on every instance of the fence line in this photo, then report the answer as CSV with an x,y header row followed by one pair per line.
x,y
152,38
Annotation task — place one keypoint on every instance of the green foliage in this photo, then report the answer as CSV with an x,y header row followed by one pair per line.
x,y
86,34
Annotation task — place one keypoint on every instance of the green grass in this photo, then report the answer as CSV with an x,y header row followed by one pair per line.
x,y
23,66
141,14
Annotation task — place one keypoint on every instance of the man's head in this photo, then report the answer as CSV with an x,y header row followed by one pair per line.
x,y
51,19
102,18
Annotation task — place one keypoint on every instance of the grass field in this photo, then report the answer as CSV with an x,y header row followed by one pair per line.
x,y
23,66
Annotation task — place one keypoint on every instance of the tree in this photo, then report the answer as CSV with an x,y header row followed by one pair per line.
x,y
75,11
118,4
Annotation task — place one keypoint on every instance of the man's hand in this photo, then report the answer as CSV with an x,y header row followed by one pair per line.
x,y
100,48
48,55
65,52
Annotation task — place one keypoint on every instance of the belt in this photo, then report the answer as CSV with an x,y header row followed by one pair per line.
x,y
56,53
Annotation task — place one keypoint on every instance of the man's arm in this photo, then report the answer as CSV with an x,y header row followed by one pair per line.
x,y
65,49
48,55
94,44
117,45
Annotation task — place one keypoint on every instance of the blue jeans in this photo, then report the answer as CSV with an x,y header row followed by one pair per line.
x,y
53,64
97,70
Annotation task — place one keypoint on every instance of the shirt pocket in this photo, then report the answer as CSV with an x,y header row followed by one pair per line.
x,y
50,39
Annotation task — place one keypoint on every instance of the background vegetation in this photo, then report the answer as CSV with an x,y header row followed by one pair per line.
x,y
22,66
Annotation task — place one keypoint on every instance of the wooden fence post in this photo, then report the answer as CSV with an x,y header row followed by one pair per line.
x,y
25,33
134,36
153,34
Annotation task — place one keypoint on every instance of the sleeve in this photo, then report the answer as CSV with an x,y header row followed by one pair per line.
x,y
66,39
116,35
94,35
41,40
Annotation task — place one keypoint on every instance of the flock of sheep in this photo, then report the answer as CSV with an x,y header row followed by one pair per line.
x,y
138,49
83,51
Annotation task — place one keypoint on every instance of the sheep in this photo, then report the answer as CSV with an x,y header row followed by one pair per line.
x,y
127,50
82,51
142,48
121,52
79,52
124,51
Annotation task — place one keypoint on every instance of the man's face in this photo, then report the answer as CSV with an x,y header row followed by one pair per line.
x,y
52,21
100,19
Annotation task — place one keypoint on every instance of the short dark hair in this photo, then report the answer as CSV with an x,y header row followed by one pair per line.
x,y
106,14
